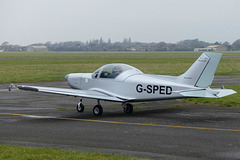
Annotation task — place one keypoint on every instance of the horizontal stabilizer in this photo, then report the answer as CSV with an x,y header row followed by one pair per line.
x,y
207,93
224,92
197,94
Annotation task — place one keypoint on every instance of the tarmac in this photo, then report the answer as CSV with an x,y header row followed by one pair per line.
x,y
160,130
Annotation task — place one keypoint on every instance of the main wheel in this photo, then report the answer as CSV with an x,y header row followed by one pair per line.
x,y
98,110
80,107
128,108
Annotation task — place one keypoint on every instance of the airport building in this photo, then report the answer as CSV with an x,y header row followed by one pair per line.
x,y
37,49
211,48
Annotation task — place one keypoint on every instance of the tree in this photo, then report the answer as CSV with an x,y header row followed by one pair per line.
x,y
109,41
125,41
48,43
5,44
236,45
101,41
162,46
228,45
129,40
217,43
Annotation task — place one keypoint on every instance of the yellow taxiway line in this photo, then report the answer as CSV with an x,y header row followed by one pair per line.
x,y
3,89
126,123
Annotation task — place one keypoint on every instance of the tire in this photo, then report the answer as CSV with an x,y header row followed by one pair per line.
x,y
128,108
80,107
97,110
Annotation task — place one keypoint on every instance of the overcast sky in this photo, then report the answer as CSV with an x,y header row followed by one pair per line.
x,y
30,21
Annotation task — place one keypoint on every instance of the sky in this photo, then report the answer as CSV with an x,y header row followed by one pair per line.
x,y
25,22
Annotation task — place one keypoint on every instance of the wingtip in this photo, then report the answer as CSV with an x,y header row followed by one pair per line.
x,y
11,86
27,88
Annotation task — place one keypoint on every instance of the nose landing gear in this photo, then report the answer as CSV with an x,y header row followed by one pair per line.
x,y
80,106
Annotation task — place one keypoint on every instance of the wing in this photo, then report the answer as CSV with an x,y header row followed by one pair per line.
x,y
71,92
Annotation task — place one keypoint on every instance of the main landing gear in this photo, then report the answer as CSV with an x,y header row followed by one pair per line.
x,y
98,110
127,108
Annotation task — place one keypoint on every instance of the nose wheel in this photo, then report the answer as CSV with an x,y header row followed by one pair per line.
x,y
80,106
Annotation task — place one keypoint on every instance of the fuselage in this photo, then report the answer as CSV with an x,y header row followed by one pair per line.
x,y
132,85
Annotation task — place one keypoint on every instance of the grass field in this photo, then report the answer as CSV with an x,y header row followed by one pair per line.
x,y
26,153
38,67
50,66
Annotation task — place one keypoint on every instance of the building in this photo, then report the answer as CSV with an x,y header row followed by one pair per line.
x,y
218,47
211,48
37,49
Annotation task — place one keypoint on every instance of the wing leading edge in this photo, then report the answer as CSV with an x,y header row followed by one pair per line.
x,y
71,92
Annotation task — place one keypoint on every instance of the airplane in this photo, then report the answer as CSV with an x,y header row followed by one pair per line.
x,y
126,84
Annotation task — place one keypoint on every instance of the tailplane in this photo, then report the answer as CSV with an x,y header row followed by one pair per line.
x,y
201,73
207,93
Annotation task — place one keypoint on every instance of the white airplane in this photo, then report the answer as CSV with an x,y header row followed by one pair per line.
x,y
126,84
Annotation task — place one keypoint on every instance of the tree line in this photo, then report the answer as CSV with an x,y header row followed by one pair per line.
x,y
125,45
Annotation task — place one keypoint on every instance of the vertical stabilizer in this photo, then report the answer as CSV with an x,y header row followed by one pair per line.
x,y
201,73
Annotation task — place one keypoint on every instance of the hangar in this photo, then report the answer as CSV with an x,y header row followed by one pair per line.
x,y
37,49
211,48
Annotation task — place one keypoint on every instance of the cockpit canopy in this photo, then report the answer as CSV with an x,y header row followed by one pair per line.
x,y
113,70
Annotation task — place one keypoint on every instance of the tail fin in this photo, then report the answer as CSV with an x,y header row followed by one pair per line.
x,y
201,73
